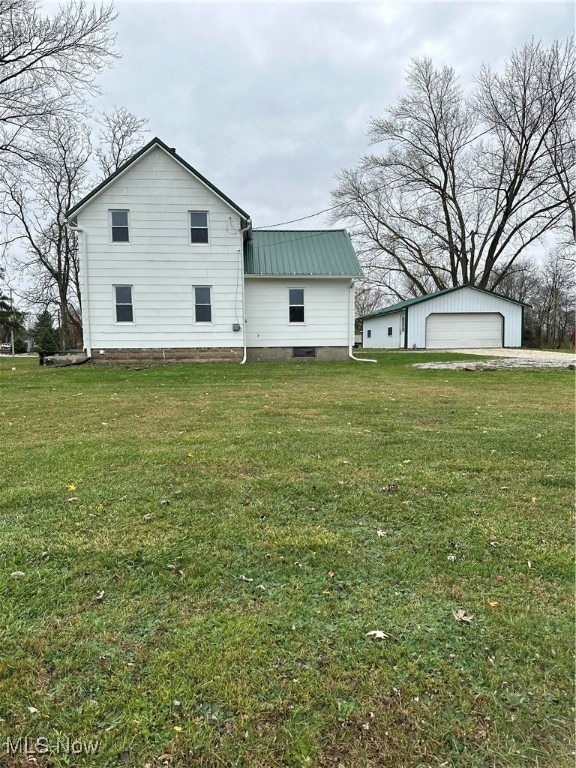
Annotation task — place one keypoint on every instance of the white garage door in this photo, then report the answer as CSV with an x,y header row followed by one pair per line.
x,y
468,330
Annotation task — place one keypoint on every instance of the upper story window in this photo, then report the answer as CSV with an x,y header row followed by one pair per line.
x,y
198,227
296,305
202,304
123,301
120,231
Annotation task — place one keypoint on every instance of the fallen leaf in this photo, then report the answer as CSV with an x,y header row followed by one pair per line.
x,y
493,603
33,711
461,615
245,578
178,728
390,488
100,596
70,487
165,502
17,574
72,498
452,558
380,533
147,518
331,574
377,634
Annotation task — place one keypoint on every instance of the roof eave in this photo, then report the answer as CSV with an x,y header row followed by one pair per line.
x,y
155,142
302,274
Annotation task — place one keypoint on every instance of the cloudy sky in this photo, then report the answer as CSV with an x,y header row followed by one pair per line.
x,y
269,100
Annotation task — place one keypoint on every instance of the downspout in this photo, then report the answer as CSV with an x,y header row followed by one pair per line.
x,y
247,228
85,297
406,329
351,329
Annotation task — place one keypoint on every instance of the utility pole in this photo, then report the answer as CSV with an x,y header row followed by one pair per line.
x,y
11,329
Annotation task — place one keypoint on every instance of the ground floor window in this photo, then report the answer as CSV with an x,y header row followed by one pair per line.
x,y
203,304
296,305
123,302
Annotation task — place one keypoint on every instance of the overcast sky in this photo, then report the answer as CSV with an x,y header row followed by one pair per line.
x,y
269,100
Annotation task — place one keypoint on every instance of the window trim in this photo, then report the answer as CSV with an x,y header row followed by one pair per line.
x,y
303,305
123,304
190,228
390,330
110,228
211,305
369,333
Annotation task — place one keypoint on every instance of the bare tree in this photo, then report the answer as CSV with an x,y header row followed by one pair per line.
x,y
553,302
367,298
36,197
47,65
464,186
120,135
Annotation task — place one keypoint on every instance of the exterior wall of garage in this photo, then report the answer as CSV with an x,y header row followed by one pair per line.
x,y
378,328
465,300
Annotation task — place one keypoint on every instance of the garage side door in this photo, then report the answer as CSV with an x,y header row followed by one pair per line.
x,y
468,330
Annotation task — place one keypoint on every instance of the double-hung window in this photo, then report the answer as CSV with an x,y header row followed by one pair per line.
x,y
198,227
123,301
203,304
120,229
296,305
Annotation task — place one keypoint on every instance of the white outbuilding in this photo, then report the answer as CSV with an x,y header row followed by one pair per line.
x,y
465,316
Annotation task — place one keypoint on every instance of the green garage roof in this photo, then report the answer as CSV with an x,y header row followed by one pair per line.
x,y
318,252
427,296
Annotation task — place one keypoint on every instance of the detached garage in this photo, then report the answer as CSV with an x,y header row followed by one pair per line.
x,y
465,317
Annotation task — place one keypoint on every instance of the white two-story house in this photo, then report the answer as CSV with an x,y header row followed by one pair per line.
x,y
171,269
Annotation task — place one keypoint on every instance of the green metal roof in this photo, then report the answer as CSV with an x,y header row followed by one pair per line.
x,y
316,252
419,299
156,142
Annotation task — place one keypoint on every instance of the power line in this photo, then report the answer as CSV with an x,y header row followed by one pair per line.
x,y
302,218
319,213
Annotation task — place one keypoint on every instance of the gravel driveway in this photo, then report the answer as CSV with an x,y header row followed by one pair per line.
x,y
506,358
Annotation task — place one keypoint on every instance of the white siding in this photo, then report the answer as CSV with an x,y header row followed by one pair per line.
x,y
159,261
465,300
326,306
378,326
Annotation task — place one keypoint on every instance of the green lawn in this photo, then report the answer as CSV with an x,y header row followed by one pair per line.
x,y
237,520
